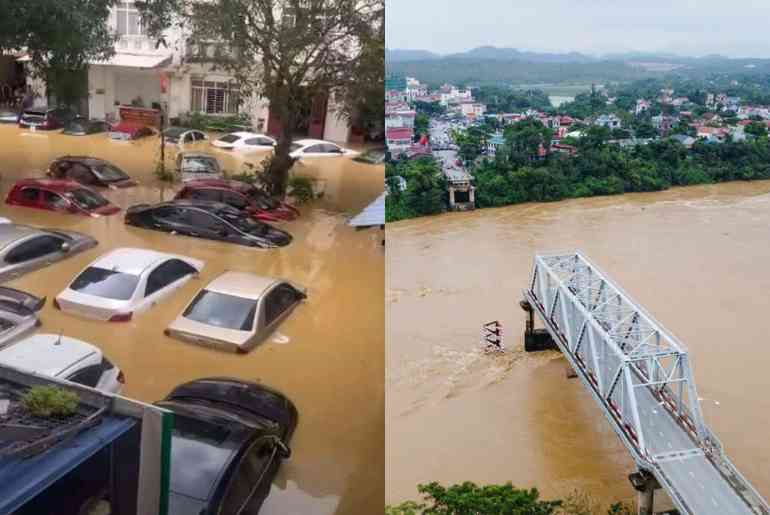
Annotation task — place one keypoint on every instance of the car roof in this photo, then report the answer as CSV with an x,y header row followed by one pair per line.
x,y
242,284
310,141
228,184
244,134
130,260
59,185
49,354
83,159
195,153
210,206
9,233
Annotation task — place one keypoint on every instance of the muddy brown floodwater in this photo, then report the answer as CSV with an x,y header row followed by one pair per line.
x,y
696,258
327,357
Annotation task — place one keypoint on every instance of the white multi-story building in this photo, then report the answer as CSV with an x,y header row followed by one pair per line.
x,y
181,78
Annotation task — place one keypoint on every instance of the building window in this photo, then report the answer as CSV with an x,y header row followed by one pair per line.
x,y
214,97
129,22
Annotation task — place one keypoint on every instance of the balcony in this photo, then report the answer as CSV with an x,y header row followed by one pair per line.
x,y
208,52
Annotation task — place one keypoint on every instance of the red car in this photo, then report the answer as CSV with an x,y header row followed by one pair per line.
x,y
241,196
60,195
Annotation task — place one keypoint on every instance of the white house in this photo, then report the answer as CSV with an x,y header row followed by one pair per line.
x,y
608,120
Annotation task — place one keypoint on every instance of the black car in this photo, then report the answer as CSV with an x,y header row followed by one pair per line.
x,y
84,126
210,220
46,118
228,441
89,171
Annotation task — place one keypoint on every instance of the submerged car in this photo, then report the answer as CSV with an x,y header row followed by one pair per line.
x,y
182,135
89,171
130,131
18,314
236,311
318,148
59,195
373,156
228,441
24,249
9,116
241,196
64,358
45,118
210,220
84,126
244,141
192,166
124,282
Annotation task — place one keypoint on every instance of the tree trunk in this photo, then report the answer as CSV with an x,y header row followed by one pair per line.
x,y
281,163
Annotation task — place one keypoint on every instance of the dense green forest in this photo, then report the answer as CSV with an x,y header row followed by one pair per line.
x,y
475,71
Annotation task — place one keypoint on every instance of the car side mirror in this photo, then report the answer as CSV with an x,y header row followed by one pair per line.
x,y
65,247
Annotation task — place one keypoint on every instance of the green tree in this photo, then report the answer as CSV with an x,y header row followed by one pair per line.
x,y
287,51
757,129
425,192
61,37
421,124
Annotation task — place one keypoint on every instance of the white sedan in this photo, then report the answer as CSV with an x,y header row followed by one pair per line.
x,y
126,281
66,358
318,148
244,141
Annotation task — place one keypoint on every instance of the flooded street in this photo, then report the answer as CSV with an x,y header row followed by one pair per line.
x,y
695,258
327,356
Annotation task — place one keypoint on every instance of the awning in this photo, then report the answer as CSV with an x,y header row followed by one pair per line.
x,y
373,214
136,61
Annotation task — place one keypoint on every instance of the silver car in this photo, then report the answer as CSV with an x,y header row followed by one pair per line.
x,y
18,314
24,248
236,311
197,165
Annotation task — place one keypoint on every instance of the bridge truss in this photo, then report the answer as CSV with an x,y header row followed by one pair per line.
x,y
640,375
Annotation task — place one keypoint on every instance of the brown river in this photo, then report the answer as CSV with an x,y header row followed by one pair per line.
x,y
696,258
327,356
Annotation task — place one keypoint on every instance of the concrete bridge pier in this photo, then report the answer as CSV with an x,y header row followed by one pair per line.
x,y
645,484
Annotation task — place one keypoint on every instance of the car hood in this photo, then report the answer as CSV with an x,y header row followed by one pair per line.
x,y
187,329
123,183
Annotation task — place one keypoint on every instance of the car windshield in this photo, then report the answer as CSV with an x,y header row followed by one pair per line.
x,y
244,223
229,138
199,453
295,146
109,284
221,310
199,164
110,173
174,132
87,199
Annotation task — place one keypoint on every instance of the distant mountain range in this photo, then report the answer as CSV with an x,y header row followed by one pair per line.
x,y
488,53
492,53
495,65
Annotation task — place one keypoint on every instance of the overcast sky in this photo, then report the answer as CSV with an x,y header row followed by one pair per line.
x,y
736,28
